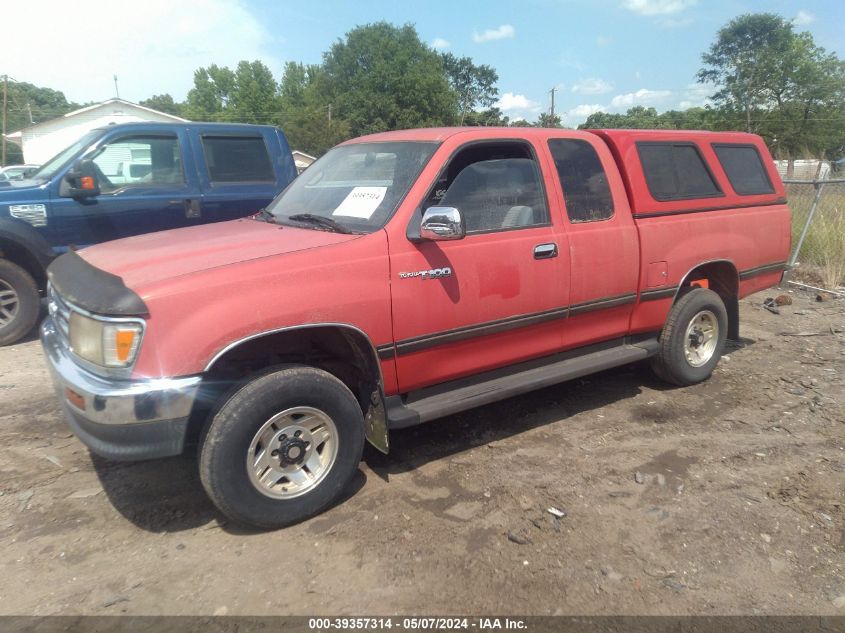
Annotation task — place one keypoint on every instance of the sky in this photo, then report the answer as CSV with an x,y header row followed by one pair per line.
x,y
606,55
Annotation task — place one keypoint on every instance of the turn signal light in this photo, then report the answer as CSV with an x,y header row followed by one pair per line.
x,y
120,343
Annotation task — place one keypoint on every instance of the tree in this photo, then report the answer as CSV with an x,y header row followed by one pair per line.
x,y
248,94
491,117
253,96
27,105
474,84
642,118
304,116
163,103
383,77
778,83
548,120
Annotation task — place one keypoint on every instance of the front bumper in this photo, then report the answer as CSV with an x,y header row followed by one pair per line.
x,y
120,419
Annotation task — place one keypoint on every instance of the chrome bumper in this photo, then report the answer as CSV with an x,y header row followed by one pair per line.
x,y
120,419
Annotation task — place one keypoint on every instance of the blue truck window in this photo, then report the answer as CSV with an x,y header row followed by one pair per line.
x,y
139,161
237,159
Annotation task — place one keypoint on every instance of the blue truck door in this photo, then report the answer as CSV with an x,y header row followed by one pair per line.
x,y
148,182
240,170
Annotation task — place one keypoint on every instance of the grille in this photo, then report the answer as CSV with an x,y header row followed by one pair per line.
x,y
60,311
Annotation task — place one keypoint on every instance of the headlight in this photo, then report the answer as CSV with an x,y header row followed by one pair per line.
x,y
105,343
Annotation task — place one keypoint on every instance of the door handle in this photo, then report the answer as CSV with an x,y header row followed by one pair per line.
x,y
545,251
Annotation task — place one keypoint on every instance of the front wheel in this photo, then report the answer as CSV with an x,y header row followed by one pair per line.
x,y
282,448
693,338
19,302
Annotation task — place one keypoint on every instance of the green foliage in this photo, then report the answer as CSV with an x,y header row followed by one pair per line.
x,y
490,117
247,94
547,120
28,104
642,118
383,77
474,84
163,103
777,83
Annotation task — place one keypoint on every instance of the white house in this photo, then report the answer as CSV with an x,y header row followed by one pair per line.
x,y
302,160
42,141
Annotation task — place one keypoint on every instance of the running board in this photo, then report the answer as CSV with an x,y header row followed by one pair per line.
x,y
460,395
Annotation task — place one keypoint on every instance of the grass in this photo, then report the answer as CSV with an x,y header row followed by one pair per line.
x,y
823,250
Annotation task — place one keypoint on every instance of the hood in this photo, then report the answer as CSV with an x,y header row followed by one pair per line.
x,y
156,257
11,190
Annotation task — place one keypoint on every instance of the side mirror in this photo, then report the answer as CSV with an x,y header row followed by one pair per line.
x,y
442,223
80,181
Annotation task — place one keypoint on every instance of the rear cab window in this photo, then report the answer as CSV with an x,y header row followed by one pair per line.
x,y
744,168
676,171
237,159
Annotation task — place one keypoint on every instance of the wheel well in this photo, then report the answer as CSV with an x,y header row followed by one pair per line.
x,y
21,256
343,352
722,278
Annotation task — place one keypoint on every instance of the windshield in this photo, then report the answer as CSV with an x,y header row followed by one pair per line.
x,y
355,186
58,161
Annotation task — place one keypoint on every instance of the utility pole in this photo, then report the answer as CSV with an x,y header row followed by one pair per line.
x,y
330,114
29,111
116,91
5,108
552,108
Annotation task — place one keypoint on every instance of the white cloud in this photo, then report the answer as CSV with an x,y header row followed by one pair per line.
x,y
439,42
509,102
803,17
584,110
152,51
503,32
592,86
696,96
658,7
577,115
643,96
603,40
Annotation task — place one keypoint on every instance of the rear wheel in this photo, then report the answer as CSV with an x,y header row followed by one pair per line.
x,y
19,302
693,338
283,447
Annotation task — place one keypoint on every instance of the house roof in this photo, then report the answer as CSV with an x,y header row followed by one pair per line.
x,y
94,106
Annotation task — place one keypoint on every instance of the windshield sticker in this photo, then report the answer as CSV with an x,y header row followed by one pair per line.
x,y
361,202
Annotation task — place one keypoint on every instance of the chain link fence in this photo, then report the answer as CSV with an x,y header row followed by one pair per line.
x,y
818,231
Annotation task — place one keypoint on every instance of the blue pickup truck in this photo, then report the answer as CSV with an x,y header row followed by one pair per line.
x,y
124,180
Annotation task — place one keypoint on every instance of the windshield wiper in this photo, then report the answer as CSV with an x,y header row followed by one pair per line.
x,y
263,215
319,220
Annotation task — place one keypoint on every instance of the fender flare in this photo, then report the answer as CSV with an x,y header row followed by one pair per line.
x,y
375,418
26,238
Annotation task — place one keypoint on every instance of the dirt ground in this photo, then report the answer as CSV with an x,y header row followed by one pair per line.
x,y
723,498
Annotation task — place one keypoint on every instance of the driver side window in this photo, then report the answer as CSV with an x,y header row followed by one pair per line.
x,y
139,161
495,186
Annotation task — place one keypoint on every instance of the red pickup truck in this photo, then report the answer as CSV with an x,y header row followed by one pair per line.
x,y
403,277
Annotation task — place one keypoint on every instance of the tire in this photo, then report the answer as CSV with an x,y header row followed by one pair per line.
x,y
681,359
20,303
314,470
